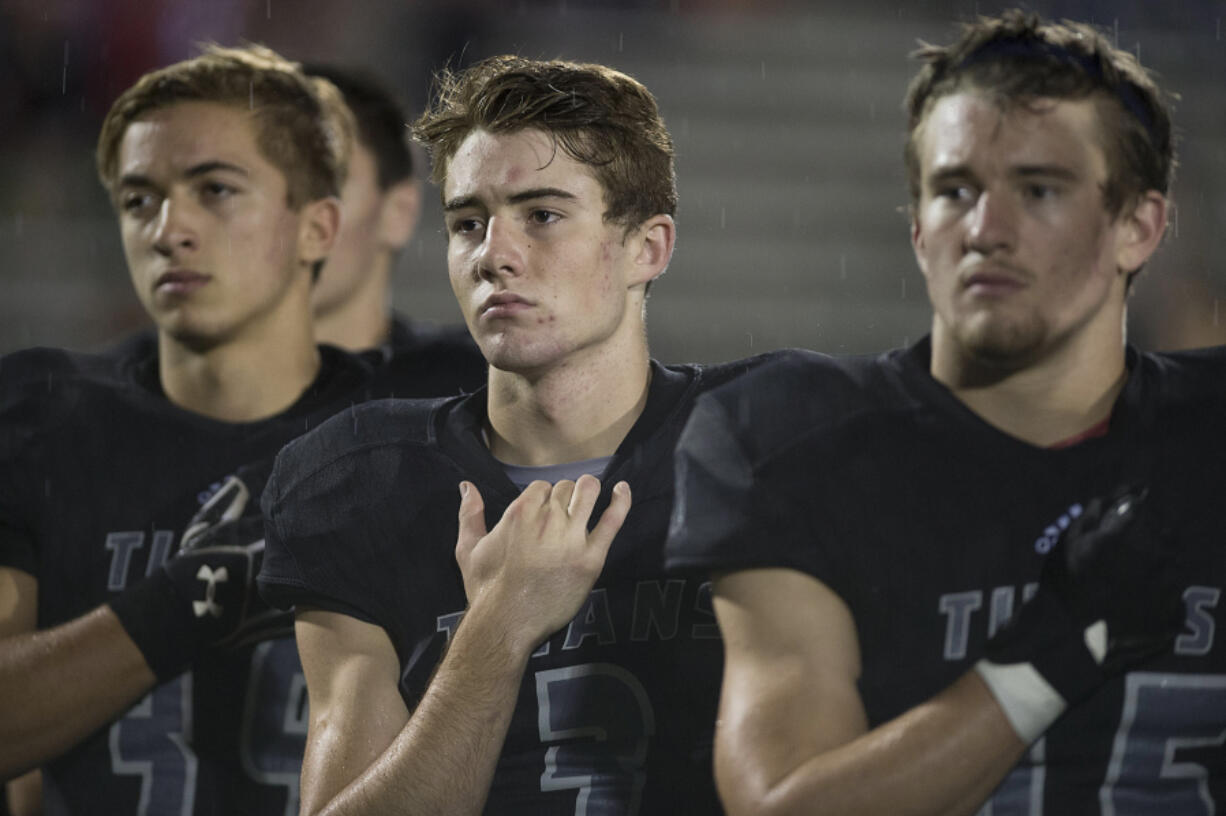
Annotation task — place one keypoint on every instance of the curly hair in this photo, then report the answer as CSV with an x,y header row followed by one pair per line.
x,y
596,115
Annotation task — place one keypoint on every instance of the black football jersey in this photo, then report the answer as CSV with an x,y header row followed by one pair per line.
x,y
932,525
616,711
418,360
427,360
99,475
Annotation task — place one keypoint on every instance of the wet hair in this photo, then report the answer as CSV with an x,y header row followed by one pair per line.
x,y
1017,59
598,116
302,126
381,123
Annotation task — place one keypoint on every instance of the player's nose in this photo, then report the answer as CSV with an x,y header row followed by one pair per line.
x,y
174,229
501,251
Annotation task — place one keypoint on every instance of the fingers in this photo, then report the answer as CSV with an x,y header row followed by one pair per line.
x,y
611,520
583,497
472,520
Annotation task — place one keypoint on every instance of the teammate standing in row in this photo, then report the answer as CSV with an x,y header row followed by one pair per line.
x,y
873,523
380,203
224,171
537,675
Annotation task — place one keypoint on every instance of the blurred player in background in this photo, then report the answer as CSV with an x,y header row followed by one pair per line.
x,y
535,675
872,524
380,204
136,667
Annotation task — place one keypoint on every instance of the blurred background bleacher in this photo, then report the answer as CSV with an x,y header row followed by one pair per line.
x,y
786,117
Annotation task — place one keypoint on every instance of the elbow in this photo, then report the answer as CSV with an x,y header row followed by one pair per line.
x,y
741,796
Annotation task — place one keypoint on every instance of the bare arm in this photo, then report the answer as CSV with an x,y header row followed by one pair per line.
x,y
525,579
792,736
441,760
59,685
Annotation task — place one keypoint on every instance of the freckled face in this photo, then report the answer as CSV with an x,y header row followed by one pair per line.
x,y
1011,231
211,243
539,275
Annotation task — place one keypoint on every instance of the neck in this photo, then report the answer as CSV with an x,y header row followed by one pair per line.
x,y
1069,391
244,380
580,409
363,320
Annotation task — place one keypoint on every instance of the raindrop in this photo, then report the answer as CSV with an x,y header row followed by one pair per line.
x,y
843,266
1115,29
1215,311
904,288
723,217
763,70
621,42
750,336
19,225
268,9
64,73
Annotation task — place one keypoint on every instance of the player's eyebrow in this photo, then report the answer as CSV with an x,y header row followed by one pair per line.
x,y
950,172
195,171
464,202
1046,170
541,192
209,166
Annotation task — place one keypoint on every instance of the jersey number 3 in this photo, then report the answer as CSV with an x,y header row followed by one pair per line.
x,y
602,760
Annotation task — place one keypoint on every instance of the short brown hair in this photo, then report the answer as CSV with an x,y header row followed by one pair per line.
x,y
598,116
303,127
1018,59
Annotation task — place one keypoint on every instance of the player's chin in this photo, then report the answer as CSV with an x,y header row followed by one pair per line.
x,y
1003,343
516,355
196,332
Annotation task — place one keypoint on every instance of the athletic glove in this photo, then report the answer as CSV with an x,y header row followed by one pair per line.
x,y
205,596
1107,598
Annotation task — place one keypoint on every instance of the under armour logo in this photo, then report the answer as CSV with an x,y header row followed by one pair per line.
x,y
211,579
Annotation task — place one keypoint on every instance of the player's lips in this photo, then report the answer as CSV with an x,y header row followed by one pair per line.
x,y
993,280
180,281
504,304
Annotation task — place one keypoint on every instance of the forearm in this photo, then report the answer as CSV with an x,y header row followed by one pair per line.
x,y
943,757
443,760
59,685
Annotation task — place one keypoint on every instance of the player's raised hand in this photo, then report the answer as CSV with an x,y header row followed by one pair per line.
x,y
538,564
1108,597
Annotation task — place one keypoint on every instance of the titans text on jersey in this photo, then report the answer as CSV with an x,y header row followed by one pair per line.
x,y
931,526
616,710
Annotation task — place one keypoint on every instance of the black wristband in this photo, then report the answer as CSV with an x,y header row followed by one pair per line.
x,y
159,623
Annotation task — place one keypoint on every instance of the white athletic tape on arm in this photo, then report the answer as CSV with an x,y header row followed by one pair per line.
x,y
1029,702
1096,640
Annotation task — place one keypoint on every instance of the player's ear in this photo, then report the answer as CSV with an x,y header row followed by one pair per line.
x,y
401,208
1142,228
653,242
317,228
918,241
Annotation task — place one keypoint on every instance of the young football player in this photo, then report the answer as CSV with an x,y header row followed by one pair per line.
x,y
379,207
542,666
874,523
224,171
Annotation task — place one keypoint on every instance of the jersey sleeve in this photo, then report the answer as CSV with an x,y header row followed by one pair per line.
x,y
33,398
313,534
344,503
755,484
